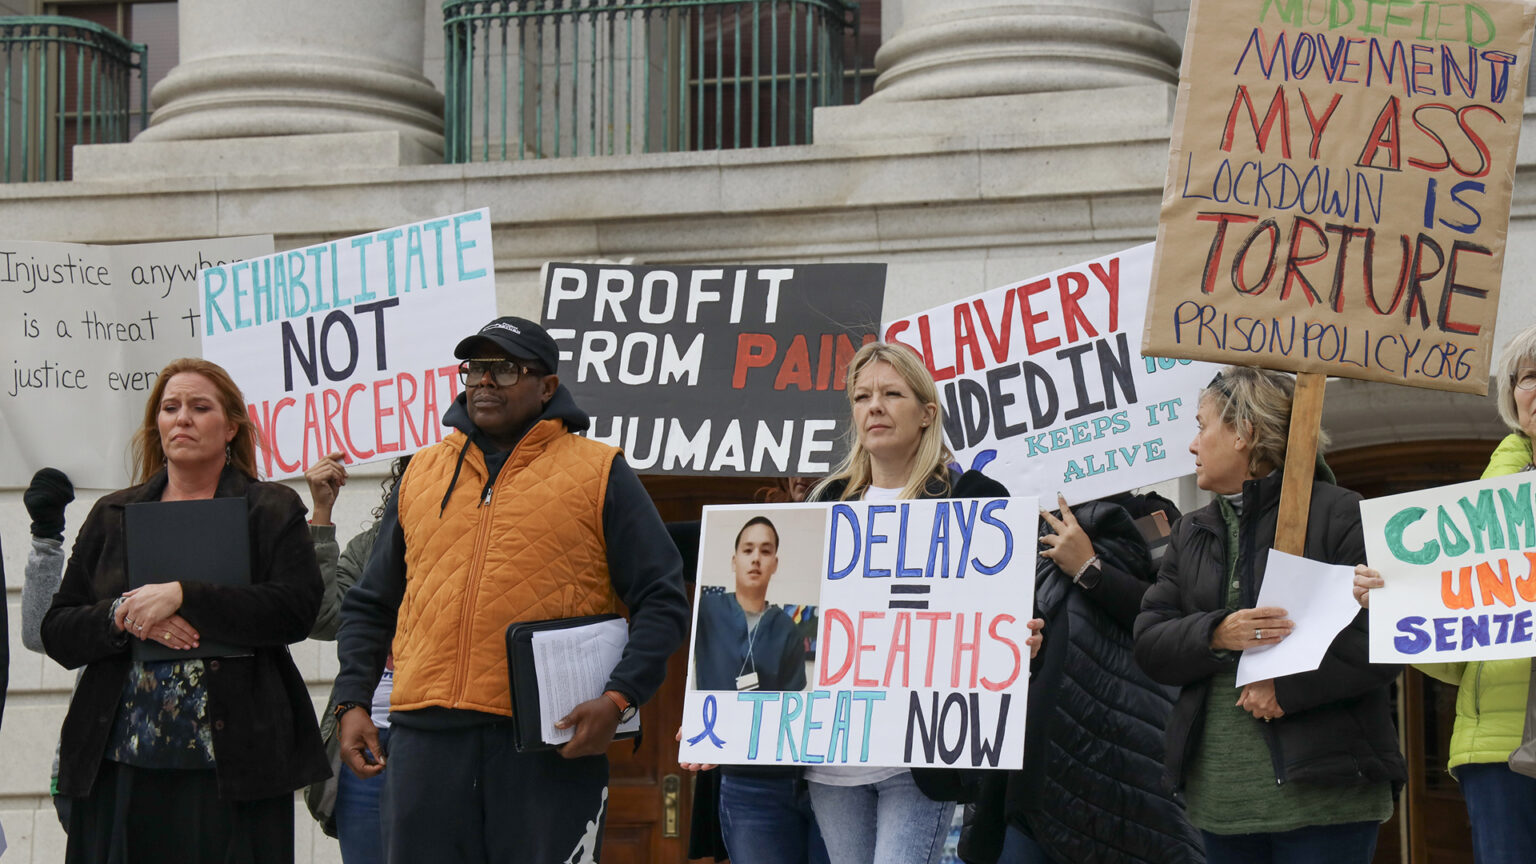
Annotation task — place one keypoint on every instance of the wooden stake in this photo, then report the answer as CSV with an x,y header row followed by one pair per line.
x,y
1300,462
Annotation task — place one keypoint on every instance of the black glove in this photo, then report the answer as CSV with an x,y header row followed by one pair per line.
x,y
45,500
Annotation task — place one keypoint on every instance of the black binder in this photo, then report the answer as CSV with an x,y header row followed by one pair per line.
x,y
188,541
528,726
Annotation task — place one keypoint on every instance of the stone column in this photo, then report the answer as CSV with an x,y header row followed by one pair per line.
x,y
948,49
298,67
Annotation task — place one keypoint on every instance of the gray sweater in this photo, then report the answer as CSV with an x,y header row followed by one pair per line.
x,y
45,567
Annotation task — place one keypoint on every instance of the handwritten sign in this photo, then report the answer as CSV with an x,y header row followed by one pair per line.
x,y
1339,186
1041,383
348,345
714,370
919,654
1459,564
88,330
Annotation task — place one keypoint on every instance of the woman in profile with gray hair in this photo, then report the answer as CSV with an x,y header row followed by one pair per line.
x,y
1300,768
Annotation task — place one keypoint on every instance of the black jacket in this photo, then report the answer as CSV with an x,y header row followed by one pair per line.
x,y
943,784
1337,728
1091,787
5,645
265,739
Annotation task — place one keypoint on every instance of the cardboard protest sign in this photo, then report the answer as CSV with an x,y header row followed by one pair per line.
x,y
1459,564
1339,186
889,633
348,345
734,370
92,328
1040,381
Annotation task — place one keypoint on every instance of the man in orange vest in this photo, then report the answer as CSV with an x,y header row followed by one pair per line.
x,y
512,517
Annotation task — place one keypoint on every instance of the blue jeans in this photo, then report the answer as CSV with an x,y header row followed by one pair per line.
x,y
357,814
1350,843
1020,848
891,822
768,820
1501,805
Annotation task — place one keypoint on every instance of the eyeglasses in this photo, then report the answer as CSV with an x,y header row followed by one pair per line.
x,y
504,373
1524,380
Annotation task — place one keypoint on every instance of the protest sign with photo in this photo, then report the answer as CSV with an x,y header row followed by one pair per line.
x,y
1459,564
733,370
90,328
1042,383
1339,185
862,633
348,345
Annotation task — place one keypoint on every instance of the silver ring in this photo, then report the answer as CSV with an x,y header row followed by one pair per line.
x,y
138,626
1258,635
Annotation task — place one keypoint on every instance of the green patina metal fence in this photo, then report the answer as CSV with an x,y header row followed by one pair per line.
x,y
549,78
66,82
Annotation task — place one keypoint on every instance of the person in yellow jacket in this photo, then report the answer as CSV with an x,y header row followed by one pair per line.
x,y
1492,695
512,517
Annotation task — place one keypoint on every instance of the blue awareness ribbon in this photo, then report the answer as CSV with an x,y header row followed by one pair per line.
x,y
711,711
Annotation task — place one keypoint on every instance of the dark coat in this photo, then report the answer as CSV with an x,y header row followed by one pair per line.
x,y
1090,703
5,646
720,646
943,784
1337,728
265,739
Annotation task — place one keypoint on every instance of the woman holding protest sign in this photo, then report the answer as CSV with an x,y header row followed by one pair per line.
x,y
1088,696
743,642
1488,758
188,759
893,815
1299,768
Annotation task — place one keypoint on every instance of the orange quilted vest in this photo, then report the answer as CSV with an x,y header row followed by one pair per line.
x,y
535,551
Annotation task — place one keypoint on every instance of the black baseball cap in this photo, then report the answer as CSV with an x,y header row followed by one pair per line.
x,y
519,337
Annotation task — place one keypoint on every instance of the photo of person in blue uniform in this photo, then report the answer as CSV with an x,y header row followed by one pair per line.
x,y
743,641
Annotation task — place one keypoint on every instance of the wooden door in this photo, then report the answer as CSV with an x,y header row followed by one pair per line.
x,y
649,797
1430,824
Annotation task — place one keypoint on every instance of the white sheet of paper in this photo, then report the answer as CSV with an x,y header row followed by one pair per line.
x,y
573,665
1318,598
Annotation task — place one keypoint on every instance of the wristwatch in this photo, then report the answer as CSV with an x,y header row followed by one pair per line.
x,y
1087,576
343,707
627,709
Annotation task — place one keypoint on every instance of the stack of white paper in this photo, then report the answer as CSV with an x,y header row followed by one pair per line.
x,y
573,665
1318,598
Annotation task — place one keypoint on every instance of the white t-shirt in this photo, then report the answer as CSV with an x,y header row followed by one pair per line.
x,y
880,493
380,708
861,776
